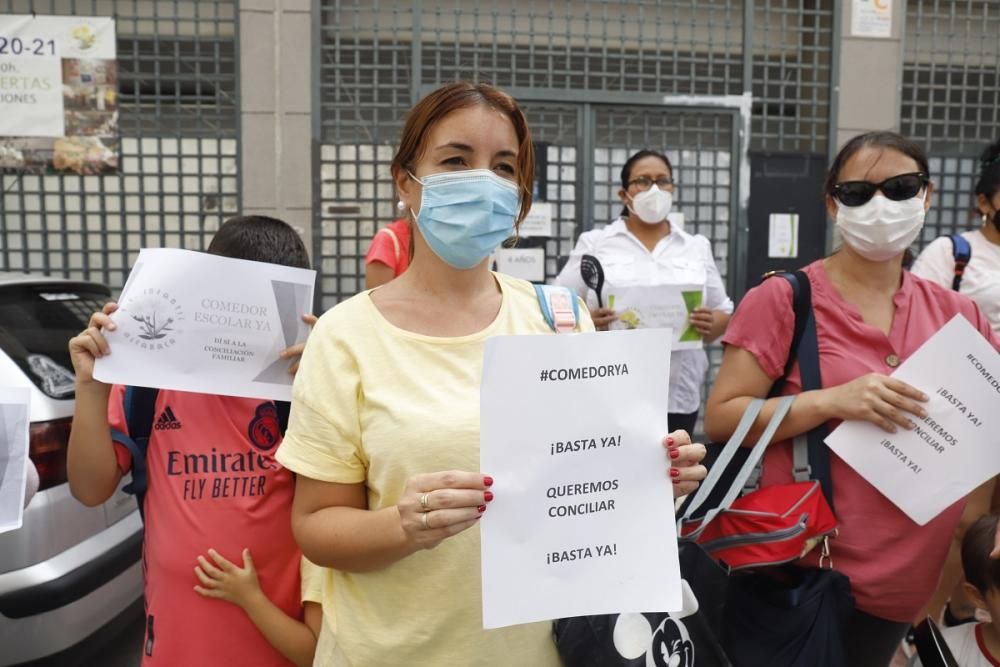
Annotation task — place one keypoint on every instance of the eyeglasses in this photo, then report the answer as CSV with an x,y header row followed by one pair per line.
x,y
897,188
645,183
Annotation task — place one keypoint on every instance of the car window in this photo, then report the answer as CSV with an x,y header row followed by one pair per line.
x,y
36,323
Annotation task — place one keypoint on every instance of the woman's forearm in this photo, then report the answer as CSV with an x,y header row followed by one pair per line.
x,y
809,410
353,540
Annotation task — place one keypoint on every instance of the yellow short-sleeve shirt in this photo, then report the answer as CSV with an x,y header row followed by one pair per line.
x,y
377,404
312,577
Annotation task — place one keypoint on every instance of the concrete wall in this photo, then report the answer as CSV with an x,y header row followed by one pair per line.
x,y
871,71
275,78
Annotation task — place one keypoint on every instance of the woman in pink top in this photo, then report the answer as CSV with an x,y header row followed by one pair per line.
x,y
870,316
389,254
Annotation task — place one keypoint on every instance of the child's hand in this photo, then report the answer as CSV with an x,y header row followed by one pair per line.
x,y
295,351
91,344
224,581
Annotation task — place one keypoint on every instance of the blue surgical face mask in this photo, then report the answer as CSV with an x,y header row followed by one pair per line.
x,y
465,215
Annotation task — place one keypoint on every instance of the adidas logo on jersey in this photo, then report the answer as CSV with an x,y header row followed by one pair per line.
x,y
167,421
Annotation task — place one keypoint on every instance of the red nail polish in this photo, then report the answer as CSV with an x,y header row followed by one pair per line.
x,y
675,453
487,480
488,496
676,481
675,472
482,508
670,442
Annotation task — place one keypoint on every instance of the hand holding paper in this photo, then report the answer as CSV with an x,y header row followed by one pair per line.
x,y
951,448
91,344
885,401
295,351
191,321
573,430
439,505
675,307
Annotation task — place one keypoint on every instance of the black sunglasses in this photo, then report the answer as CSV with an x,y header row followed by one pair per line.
x,y
897,188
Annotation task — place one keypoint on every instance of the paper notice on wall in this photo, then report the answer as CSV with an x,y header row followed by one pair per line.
x,y
951,451
58,94
582,521
871,18
538,221
525,263
783,235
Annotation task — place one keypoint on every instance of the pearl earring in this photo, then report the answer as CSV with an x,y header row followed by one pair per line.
x,y
400,205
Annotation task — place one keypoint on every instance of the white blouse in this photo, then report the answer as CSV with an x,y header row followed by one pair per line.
x,y
981,280
678,258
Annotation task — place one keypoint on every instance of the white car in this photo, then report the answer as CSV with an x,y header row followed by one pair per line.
x,y
70,570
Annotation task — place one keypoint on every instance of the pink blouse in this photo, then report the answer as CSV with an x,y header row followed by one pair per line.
x,y
893,563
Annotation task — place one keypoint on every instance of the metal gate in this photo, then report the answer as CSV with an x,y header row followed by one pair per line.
x,y
951,99
179,120
586,144
375,59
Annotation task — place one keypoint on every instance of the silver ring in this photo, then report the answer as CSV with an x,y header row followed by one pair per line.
x,y
423,520
424,503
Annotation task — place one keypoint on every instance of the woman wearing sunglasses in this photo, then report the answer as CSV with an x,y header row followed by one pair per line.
x,y
870,316
980,281
643,247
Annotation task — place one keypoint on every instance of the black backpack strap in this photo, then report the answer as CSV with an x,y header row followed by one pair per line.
x,y
284,409
961,251
805,350
801,306
803,339
139,406
931,646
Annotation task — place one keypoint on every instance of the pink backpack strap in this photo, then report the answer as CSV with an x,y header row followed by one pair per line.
x,y
559,307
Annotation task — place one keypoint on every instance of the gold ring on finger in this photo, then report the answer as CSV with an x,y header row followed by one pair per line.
x,y
423,503
423,520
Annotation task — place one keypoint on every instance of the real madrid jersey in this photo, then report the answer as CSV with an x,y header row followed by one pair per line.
x,y
213,483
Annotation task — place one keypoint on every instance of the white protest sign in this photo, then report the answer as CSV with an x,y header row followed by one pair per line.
x,y
658,307
14,423
583,520
954,449
196,322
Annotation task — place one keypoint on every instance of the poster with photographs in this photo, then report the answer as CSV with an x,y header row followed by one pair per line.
x,y
58,95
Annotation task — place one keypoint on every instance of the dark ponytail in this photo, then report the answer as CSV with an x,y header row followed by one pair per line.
x,y
989,176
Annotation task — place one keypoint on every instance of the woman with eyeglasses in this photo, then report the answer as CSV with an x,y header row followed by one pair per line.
x,y
977,275
870,316
643,247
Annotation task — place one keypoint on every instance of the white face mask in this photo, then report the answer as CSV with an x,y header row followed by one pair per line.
x,y
653,205
881,228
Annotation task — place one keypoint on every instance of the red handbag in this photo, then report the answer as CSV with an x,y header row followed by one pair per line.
x,y
770,526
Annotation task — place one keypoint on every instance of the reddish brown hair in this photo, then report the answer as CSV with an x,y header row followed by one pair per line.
x,y
461,95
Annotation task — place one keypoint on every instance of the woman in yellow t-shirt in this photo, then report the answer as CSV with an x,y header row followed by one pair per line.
x,y
384,432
